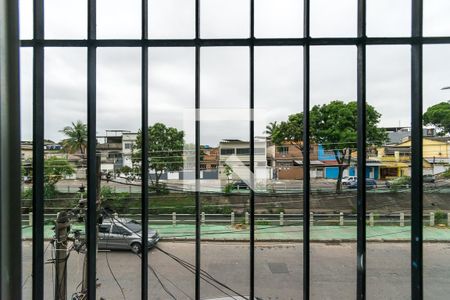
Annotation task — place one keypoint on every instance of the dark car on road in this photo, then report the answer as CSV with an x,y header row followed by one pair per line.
x,y
429,178
124,234
240,185
370,184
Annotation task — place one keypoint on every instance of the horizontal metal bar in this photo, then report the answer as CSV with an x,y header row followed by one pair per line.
x,y
237,42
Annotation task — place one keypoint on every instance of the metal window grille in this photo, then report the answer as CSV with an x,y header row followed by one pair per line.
x,y
39,43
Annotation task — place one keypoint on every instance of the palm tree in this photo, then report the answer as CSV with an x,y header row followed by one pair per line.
x,y
76,137
271,128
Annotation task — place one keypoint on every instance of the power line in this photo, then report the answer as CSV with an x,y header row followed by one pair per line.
x,y
114,276
161,283
31,274
171,282
189,266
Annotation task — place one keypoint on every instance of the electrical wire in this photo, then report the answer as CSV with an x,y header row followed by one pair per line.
x,y
190,267
31,274
114,276
160,282
153,271
172,283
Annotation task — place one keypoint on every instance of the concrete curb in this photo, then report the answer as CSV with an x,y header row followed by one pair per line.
x,y
333,241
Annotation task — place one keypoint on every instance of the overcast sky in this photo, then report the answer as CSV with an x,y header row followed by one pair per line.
x,y
224,71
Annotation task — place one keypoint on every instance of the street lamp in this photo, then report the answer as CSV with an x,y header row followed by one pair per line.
x,y
446,88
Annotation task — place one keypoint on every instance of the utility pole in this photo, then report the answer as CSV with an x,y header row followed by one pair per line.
x,y
60,242
62,236
84,284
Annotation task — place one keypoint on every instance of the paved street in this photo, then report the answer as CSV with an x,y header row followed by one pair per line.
x,y
278,271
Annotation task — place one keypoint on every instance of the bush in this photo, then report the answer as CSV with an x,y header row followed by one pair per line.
x,y
115,201
446,174
399,183
214,209
160,188
440,217
228,188
27,193
50,191
263,222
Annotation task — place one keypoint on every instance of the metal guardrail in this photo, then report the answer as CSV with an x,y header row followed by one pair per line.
x,y
284,189
316,219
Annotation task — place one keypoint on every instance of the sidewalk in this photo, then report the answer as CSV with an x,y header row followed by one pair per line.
x,y
281,233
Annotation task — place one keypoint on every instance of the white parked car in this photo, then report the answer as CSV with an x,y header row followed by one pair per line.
x,y
347,180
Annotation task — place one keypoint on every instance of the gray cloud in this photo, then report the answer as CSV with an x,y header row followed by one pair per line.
x,y
224,71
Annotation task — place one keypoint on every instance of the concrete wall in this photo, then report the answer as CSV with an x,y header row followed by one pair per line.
x,y
389,202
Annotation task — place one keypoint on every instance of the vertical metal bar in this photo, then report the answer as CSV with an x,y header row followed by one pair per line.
x,y
306,152
416,151
38,152
252,149
361,148
91,222
197,153
10,224
144,153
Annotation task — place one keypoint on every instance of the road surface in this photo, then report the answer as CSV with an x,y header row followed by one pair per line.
x,y
278,271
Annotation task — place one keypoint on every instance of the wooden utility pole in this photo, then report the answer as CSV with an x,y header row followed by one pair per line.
x,y
61,238
84,283
61,234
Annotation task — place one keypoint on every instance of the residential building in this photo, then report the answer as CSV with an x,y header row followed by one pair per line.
x,y
286,161
396,160
26,150
373,165
128,143
397,135
436,152
109,147
52,149
236,154
331,166
209,157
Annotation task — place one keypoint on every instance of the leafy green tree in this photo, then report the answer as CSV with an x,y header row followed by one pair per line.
x,y
165,149
55,169
290,131
76,138
334,126
126,170
228,171
439,116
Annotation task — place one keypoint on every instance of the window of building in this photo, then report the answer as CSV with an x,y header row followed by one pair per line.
x,y
283,150
260,151
243,151
227,151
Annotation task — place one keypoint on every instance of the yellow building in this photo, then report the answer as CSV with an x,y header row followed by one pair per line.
x,y
396,159
433,147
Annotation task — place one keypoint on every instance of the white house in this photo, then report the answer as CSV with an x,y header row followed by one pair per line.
x,y
236,154
128,142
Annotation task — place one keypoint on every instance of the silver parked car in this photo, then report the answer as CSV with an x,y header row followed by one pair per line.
x,y
124,234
